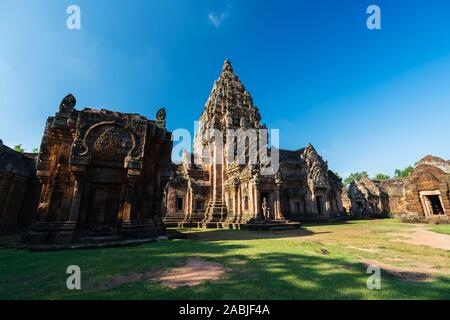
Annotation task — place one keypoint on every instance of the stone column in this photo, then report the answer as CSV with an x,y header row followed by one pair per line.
x,y
277,203
258,204
239,195
339,201
129,198
236,202
76,198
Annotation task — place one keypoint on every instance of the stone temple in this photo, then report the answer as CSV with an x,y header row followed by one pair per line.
x,y
101,174
235,194
424,194
19,189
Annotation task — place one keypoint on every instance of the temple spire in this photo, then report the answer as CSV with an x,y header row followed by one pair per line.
x,y
227,66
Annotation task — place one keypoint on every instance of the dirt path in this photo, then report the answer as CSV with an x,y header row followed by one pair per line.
x,y
194,272
423,237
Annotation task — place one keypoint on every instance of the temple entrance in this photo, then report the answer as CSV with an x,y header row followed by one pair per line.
x,y
435,204
104,206
319,202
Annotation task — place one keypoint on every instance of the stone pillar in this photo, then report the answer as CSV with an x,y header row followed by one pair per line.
x,y
251,200
236,202
339,204
259,215
129,198
76,199
239,199
278,214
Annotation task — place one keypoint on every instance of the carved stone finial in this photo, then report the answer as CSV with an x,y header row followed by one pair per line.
x,y
227,65
67,104
161,118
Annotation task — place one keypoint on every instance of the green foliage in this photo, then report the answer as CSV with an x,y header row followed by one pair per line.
x,y
35,150
19,148
403,173
337,175
357,176
382,176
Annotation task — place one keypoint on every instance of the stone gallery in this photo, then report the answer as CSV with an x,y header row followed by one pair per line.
x,y
424,194
232,194
19,189
101,176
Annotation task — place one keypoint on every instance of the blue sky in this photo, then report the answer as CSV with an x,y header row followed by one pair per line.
x,y
368,100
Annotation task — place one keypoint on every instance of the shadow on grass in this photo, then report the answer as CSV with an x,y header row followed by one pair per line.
x,y
230,235
284,275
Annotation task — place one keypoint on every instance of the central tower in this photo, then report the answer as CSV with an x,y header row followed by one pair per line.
x,y
229,107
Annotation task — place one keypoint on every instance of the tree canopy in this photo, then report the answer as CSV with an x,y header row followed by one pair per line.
x,y
19,148
403,173
357,176
382,176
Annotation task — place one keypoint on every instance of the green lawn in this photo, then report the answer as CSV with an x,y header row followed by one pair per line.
x,y
261,265
441,228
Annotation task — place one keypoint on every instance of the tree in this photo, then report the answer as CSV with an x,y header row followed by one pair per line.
x,y
357,176
403,173
19,148
35,150
382,176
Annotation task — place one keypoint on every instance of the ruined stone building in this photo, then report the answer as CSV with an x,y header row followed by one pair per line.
x,y
234,193
19,189
365,196
425,192
101,175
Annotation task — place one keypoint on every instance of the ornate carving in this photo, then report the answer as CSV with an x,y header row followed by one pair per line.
x,y
112,141
67,104
161,118
318,170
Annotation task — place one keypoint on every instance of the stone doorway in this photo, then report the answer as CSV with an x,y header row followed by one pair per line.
x,y
432,203
104,207
435,204
320,205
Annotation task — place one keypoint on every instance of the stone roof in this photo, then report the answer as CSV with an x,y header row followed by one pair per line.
x,y
435,162
229,104
291,155
16,162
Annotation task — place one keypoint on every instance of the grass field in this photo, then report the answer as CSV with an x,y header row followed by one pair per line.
x,y
442,228
316,262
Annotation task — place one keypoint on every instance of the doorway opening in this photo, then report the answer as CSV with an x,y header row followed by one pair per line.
x,y
436,205
319,202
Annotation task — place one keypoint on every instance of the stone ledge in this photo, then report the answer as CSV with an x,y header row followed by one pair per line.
x,y
97,245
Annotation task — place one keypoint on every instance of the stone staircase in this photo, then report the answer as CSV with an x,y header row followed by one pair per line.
x,y
216,213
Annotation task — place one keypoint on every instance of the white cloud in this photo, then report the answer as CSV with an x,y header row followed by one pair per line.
x,y
217,19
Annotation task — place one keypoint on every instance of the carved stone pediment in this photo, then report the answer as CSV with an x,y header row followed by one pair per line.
x,y
112,143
